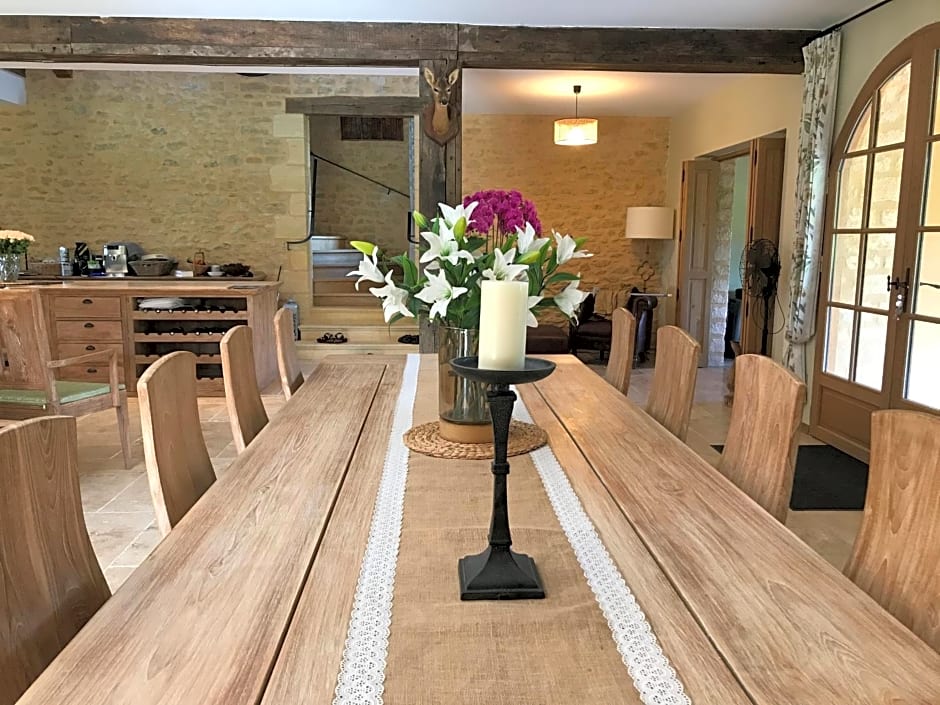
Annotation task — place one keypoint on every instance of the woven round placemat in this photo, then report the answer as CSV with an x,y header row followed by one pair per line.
x,y
426,439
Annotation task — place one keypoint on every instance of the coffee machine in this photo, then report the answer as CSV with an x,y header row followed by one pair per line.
x,y
115,260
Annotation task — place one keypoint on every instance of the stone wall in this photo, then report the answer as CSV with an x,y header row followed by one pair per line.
x,y
177,162
721,264
353,207
584,191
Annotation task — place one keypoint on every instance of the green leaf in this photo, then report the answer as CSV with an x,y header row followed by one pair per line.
x,y
580,241
366,248
562,277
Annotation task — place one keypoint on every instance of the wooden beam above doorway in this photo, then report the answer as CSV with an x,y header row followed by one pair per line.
x,y
220,42
359,106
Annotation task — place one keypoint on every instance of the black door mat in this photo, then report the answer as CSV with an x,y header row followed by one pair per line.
x,y
826,479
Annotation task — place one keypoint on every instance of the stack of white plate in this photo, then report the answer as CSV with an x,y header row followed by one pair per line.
x,y
163,304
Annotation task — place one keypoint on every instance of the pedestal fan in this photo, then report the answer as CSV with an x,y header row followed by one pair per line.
x,y
760,272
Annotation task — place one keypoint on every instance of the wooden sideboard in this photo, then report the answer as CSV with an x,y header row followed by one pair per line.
x,y
84,316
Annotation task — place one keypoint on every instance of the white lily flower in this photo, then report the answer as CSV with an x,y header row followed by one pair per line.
x,y
393,299
526,240
368,270
439,293
443,247
531,321
503,267
566,248
570,298
452,214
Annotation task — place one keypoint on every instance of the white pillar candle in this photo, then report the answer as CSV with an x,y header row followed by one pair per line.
x,y
503,313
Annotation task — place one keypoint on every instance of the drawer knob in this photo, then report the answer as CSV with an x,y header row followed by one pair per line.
x,y
89,325
92,370
87,301
90,347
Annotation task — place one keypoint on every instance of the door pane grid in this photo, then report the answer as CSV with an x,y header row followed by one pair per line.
x,y
864,237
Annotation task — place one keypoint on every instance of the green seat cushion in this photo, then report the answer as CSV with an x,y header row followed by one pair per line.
x,y
68,392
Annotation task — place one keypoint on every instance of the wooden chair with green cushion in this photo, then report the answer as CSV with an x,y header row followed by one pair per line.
x,y
28,383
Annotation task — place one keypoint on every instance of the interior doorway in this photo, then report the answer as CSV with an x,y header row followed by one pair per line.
x,y
728,264
362,178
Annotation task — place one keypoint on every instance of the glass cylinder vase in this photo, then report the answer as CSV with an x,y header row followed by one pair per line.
x,y
462,405
9,267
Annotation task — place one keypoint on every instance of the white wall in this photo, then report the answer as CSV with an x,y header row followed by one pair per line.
x,y
750,107
867,40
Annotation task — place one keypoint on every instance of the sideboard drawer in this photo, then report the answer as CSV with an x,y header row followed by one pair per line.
x,y
87,307
75,349
79,330
88,373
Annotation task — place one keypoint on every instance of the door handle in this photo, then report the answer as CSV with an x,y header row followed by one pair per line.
x,y
932,285
901,288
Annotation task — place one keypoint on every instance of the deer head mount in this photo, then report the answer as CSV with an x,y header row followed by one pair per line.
x,y
441,118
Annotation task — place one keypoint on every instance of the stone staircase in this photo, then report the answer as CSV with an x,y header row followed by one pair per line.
x,y
363,326
331,286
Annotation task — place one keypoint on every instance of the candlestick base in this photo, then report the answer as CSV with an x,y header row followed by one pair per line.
x,y
499,574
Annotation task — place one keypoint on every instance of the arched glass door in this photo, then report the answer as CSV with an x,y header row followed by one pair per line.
x,y
879,311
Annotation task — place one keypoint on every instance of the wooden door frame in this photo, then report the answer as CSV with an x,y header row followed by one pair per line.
x,y
688,224
858,402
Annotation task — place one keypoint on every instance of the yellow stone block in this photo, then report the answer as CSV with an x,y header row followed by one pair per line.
x,y
290,227
298,205
289,125
296,151
289,177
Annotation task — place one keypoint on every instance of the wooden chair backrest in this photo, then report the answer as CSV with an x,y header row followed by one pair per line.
x,y
896,558
288,365
178,466
760,452
24,344
51,583
673,387
620,364
242,396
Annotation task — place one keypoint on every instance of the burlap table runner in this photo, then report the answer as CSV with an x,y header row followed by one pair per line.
x,y
529,652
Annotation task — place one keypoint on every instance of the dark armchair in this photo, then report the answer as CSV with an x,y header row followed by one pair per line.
x,y
594,331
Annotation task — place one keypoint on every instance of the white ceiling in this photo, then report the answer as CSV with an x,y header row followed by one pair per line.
x,y
766,14
489,91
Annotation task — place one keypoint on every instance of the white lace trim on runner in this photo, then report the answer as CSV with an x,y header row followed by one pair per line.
x,y
653,676
362,671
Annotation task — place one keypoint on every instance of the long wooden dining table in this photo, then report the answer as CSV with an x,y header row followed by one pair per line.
x,y
249,599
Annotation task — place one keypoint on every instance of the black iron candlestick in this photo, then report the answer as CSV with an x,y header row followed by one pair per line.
x,y
499,573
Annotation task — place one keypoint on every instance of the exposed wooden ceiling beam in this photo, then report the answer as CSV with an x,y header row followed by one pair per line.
x,y
258,42
634,49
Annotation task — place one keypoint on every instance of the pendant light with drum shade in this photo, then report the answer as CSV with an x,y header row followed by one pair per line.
x,y
576,131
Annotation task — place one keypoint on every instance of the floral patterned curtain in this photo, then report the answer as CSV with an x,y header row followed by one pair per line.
x,y
820,81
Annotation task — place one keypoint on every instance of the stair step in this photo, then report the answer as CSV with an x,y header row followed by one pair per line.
x,y
341,286
307,350
336,258
359,334
351,300
341,315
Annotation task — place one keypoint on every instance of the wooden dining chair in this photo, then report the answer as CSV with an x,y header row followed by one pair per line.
x,y
620,364
760,451
179,470
28,375
287,363
242,396
51,583
673,387
896,558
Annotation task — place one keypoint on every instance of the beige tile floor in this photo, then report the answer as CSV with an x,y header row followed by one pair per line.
x,y
120,518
